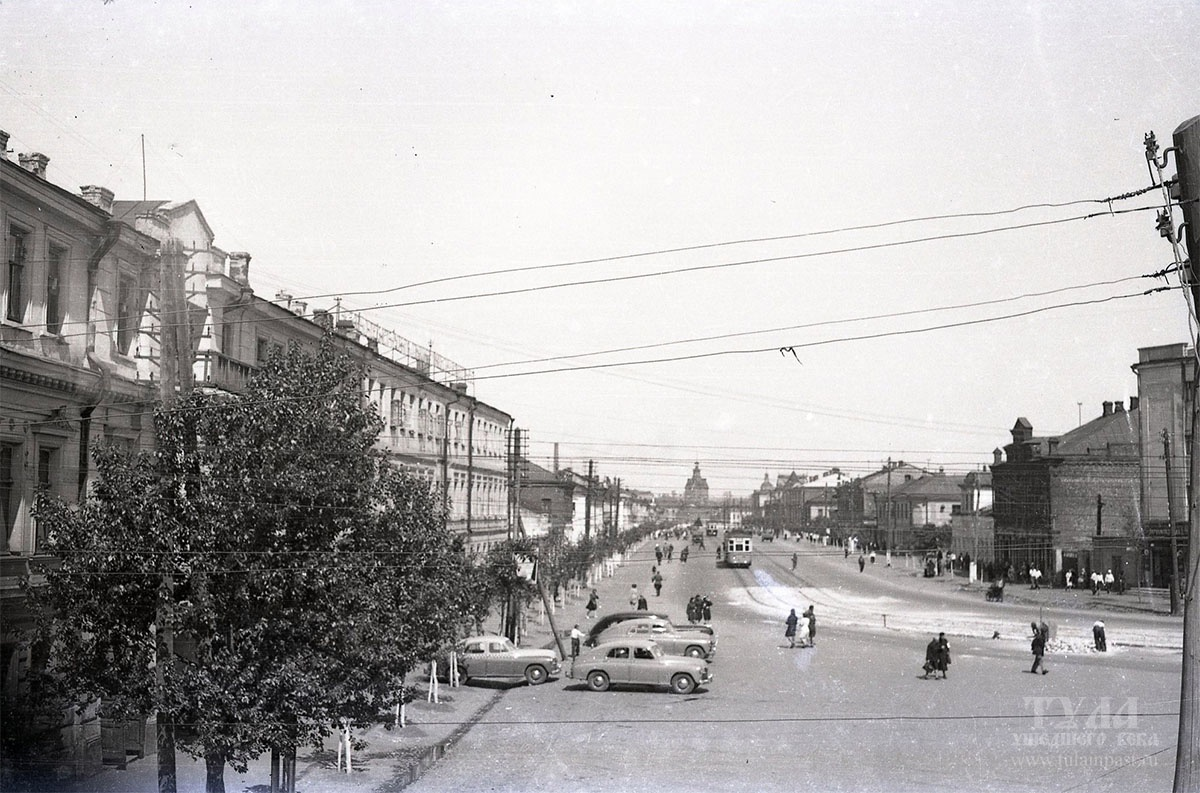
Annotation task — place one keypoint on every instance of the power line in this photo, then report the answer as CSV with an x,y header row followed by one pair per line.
x,y
729,243
791,348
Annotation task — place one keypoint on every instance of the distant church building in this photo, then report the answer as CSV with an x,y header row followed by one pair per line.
x,y
695,492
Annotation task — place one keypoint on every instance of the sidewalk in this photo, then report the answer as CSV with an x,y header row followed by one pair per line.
x,y
1147,601
395,757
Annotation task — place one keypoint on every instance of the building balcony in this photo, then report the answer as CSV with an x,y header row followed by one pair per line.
x,y
217,370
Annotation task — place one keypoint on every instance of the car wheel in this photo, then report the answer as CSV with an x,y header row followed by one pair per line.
x,y
683,684
695,652
535,673
598,681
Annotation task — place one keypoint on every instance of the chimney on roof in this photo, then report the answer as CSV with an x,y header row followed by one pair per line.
x,y
97,196
3,145
300,307
239,268
1133,403
323,317
35,163
1119,406
1052,445
1107,407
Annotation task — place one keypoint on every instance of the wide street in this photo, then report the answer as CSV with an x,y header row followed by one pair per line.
x,y
851,713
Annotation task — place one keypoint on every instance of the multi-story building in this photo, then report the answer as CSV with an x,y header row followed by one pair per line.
x,y
1071,502
972,528
97,297
859,500
75,288
433,427
923,508
1166,376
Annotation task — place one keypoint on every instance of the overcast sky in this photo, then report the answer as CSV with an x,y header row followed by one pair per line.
x,y
372,146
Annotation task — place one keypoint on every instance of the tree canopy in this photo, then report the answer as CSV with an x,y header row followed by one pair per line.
x,y
304,575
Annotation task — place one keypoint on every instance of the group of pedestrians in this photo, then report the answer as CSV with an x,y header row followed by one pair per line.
x,y
937,657
803,628
699,609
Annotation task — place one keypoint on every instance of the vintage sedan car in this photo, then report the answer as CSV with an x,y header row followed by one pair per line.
x,y
674,642
638,662
608,620
497,656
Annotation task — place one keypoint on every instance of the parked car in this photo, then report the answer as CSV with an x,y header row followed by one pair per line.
x,y
608,620
638,662
497,657
690,643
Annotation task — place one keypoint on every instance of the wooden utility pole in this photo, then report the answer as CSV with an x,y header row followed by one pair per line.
x,y
1174,569
175,379
1187,754
587,503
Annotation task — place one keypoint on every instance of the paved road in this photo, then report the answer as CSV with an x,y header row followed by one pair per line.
x,y
850,714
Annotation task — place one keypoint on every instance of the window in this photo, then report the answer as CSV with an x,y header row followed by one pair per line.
x,y
127,315
17,256
55,266
46,474
619,652
9,497
643,654
262,349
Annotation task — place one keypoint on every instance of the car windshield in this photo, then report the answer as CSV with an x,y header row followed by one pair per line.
x,y
658,651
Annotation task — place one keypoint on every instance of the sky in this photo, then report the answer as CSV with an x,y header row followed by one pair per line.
x,y
731,216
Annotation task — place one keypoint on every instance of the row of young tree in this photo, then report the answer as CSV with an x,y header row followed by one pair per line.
x,y
299,576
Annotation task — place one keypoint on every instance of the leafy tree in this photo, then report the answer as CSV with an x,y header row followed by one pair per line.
x,y
305,576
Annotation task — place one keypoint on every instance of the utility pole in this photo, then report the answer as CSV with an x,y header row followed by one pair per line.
x,y
175,378
1187,753
470,466
891,526
1173,582
617,510
587,503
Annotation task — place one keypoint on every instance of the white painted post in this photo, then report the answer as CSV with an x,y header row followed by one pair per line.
x,y
454,680
397,721
339,763
349,763
433,695
972,573
403,714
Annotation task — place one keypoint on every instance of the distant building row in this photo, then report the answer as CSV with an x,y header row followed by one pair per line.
x,y
1103,496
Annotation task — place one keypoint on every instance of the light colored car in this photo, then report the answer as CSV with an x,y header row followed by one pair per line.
x,y
638,662
673,642
497,656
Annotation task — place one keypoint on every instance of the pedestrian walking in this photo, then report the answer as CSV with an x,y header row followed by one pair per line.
x,y
683,555
812,626
706,608
1098,637
1038,648
633,596
1108,581
670,550
658,554
802,630
862,562
642,605
576,639
593,604
872,557
789,628
658,579
931,658
943,655
1035,576
1069,575
793,563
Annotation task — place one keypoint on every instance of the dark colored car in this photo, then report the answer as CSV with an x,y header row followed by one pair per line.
x,y
608,620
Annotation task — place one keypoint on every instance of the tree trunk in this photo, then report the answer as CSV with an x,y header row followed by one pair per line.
x,y
214,764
